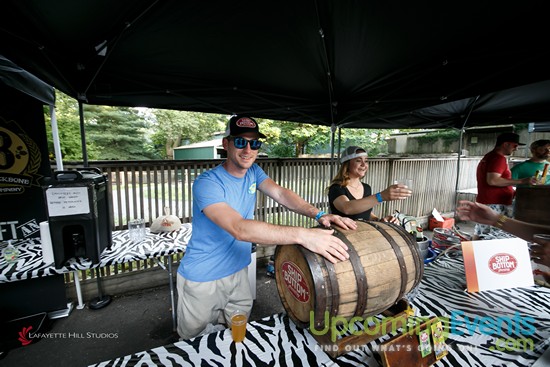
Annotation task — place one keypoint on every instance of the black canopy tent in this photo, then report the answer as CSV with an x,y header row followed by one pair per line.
x,y
15,77
23,81
361,64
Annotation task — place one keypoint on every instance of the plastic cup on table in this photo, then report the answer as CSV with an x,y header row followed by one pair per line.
x,y
238,325
136,230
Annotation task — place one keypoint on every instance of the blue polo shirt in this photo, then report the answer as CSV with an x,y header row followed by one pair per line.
x,y
212,253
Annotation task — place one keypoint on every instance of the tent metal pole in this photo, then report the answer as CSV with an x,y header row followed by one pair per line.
x,y
332,160
59,166
55,137
332,102
105,49
83,134
458,164
101,300
460,150
339,142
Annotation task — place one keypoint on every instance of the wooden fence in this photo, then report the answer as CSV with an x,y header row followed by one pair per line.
x,y
141,189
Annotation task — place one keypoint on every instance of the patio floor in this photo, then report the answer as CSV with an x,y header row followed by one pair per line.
x,y
131,323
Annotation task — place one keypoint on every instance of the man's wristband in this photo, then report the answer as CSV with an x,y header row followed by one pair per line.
x,y
319,215
379,197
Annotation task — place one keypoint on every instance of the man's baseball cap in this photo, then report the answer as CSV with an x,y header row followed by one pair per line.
x,y
508,138
239,124
539,143
352,152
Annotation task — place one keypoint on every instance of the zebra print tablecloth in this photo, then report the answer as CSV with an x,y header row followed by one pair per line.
x,y
442,293
273,341
276,341
30,265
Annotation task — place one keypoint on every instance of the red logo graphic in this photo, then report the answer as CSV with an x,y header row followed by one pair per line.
x,y
245,122
295,281
23,336
503,263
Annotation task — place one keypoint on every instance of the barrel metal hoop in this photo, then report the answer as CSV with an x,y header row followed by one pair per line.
x,y
334,289
321,291
419,271
360,275
399,256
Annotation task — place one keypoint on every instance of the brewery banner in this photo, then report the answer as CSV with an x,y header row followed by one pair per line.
x,y
23,163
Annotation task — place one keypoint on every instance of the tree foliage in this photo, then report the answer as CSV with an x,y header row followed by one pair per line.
x,y
173,128
117,133
290,139
112,133
68,126
123,133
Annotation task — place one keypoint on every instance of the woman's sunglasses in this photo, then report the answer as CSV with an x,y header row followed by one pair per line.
x,y
240,143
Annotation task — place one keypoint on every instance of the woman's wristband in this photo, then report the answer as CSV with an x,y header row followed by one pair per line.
x,y
319,215
379,197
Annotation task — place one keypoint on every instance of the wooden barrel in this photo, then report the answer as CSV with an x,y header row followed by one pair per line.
x,y
384,265
532,204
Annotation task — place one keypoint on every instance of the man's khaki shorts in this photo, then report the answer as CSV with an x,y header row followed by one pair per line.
x,y
203,303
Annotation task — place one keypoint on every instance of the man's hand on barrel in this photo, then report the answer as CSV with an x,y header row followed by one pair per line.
x,y
322,242
342,222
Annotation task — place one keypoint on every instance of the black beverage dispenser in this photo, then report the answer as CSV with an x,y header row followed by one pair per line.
x,y
78,214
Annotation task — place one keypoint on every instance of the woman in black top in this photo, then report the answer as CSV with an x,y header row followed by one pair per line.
x,y
349,197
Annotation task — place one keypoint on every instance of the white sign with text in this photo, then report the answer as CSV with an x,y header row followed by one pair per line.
x,y
67,201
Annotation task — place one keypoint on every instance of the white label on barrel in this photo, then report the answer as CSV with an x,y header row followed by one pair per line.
x,y
295,281
503,263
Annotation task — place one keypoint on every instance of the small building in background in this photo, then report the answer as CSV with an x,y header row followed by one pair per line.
x,y
211,149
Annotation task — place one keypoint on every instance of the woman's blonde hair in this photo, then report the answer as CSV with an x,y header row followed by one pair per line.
x,y
342,176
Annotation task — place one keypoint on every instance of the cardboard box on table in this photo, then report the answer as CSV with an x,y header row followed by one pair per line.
x,y
446,223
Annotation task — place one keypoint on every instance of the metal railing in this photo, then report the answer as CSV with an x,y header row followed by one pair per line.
x,y
141,189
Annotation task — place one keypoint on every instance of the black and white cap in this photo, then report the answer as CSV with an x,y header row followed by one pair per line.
x,y
352,152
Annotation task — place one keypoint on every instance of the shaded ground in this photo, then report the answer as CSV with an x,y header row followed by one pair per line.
x,y
131,323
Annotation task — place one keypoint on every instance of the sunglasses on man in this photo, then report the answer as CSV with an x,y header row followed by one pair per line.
x,y
240,143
